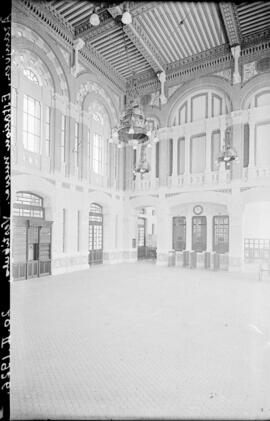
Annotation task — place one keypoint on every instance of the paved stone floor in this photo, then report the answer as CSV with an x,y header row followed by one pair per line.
x,y
140,341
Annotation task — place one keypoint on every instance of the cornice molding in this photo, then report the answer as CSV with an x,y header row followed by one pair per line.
x,y
37,10
208,62
211,61
231,23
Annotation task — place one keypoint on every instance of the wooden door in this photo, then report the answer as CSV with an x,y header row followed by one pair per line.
x,y
221,234
199,233
141,238
95,237
179,233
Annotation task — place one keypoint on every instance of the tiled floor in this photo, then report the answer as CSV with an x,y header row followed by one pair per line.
x,y
137,340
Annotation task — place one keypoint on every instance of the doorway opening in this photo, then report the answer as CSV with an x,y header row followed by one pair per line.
x,y
31,250
95,235
146,233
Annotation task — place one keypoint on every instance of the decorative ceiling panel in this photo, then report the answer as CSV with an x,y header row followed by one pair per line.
x,y
180,29
162,34
253,16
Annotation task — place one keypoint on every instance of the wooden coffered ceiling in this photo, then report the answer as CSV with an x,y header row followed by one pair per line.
x,y
161,33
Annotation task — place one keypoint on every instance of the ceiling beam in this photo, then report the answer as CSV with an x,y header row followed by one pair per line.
x,y
142,42
89,33
229,14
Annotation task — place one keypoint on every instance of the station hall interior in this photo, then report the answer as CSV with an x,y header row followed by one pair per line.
x,y
140,135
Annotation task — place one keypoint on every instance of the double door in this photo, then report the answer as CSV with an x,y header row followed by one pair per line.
x,y
95,237
31,248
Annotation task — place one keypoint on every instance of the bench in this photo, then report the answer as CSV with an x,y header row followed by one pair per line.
x,y
263,267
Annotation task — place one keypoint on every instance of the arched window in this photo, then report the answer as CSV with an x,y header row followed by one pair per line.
x,y
28,205
199,105
31,76
262,98
31,124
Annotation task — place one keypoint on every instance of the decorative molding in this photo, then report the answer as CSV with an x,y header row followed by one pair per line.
x,y
89,54
172,89
89,87
228,191
249,71
218,59
231,23
89,32
66,55
226,74
236,51
172,194
44,14
19,31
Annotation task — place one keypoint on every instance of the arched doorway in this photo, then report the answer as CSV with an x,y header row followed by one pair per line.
x,y
95,234
31,250
146,233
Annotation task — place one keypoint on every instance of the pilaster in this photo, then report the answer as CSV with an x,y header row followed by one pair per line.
x,y
187,159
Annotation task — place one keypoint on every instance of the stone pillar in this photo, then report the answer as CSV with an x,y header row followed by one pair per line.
x,y
84,150
60,104
164,235
208,155
84,231
108,234
78,45
70,139
153,163
236,252
187,159
236,54
189,232
251,165
162,78
19,129
209,222
127,227
237,144
163,161
175,154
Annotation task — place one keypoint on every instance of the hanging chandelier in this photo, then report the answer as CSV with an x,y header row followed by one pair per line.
x,y
134,129
143,165
228,153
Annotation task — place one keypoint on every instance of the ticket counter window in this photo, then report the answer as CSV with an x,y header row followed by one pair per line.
x,y
199,233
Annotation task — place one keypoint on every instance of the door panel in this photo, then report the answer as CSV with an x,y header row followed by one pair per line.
x,y
179,233
221,234
199,233
95,235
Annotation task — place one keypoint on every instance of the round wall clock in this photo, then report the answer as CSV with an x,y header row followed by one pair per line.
x,y
198,209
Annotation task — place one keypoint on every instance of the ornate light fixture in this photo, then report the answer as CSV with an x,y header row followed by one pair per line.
x,y
143,166
228,153
94,19
135,130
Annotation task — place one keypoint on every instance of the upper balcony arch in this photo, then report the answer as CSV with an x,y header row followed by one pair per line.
x,y
256,92
204,98
33,66
25,37
90,91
